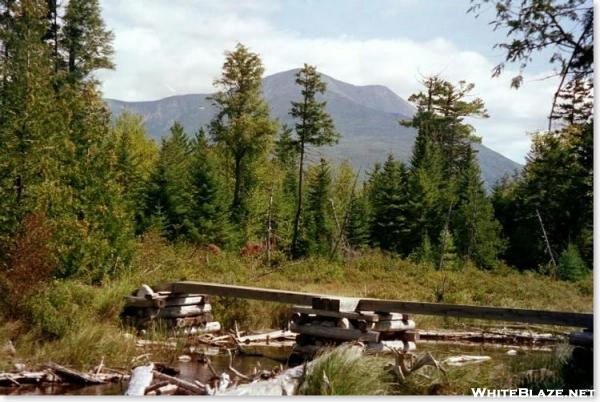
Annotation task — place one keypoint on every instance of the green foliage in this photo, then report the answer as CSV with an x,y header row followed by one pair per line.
x,y
84,40
314,126
357,228
242,126
317,225
388,195
571,266
345,371
476,230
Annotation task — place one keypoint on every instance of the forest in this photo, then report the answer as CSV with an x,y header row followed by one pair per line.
x,y
85,197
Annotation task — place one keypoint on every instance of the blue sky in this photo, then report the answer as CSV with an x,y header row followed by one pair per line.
x,y
163,48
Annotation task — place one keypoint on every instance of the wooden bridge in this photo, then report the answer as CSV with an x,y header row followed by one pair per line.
x,y
349,304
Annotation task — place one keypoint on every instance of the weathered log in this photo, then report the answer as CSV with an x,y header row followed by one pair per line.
x,y
155,386
393,326
387,346
274,335
37,377
163,301
74,376
183,311
193,388
336,333
465,359
335,303
141,378
368,316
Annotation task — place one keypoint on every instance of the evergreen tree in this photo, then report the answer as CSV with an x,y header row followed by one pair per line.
x,y
29,124
314,127
209,212
448,258
476,230
136,156
242,125
170,191
357,229
388,196
318,227
571,266
84,40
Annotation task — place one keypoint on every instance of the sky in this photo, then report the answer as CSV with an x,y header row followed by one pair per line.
x,y
165,48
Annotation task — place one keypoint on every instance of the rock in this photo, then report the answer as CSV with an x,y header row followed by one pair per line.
x,y
18,367
512,352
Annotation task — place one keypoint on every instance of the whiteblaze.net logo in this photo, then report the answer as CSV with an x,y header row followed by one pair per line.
x,y
528,393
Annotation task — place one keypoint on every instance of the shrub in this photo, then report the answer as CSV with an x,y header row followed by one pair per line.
x,y
571,266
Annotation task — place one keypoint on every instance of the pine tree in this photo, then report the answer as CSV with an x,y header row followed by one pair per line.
x,y
209,209
318,227
476,230
313,127
85,40
170,190
357,229
29,124
136,156
448,258
242,125
388,196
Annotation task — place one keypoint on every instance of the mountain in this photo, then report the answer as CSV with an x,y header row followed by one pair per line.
x,y
366,116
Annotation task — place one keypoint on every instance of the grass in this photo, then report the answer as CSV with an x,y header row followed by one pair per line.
x,y
77,324
346,371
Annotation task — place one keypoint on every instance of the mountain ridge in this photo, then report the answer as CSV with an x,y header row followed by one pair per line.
x,y
367,117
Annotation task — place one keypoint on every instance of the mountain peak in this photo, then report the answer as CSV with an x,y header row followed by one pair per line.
x,y
376,97
366,116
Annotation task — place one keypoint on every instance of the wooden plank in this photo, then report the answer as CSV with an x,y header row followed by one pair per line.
x,y
561,318
334,303
246,292
335,333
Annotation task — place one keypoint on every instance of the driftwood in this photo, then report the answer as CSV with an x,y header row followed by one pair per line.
x,y
269,336
74,376
186,385
501,337
17,379
140,379
465,359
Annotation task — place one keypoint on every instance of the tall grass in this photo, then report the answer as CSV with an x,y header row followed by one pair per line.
x,y
78,323
346,371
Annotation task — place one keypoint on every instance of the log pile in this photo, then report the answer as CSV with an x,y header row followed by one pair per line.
x,y
332,322
182,313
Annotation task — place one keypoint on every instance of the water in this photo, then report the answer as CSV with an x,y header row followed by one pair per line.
x,y
194,370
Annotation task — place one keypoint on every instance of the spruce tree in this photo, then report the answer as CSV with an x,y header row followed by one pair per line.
x,y
170,191
84,40
209,211
476,230
389,203
318,225
314,127
136,156
242,125
29,124
357,229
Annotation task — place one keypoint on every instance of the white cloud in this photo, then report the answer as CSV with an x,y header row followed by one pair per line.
x,y
176,47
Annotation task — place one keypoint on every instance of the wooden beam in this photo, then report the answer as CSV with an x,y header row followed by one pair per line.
x,y
560,318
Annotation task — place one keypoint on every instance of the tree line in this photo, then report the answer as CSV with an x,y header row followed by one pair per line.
x,y
78,189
